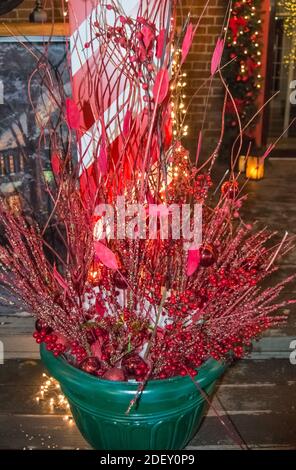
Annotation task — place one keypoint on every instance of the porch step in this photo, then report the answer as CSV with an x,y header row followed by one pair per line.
x,y
255,399
16,337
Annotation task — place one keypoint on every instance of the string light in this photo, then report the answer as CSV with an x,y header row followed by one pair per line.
x,y
65,12
290,29
178,97
50,393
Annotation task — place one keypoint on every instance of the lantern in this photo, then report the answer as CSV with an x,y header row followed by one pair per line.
x,y
94,274
242,164
255,168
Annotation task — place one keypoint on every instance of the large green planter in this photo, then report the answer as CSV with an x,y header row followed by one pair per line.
x,y
166,418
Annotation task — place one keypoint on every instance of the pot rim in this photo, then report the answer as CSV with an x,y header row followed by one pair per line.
x,y
72,371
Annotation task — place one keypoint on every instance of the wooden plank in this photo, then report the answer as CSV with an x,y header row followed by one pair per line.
x,y
17,324
258,431
235,447
42,432
20,372
19,346
247,392
34,29
241,373
249,399
278,371
272,347
258,397
16,335
39,432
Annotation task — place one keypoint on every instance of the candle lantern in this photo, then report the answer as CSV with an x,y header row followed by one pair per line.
x,y
94,274
255,168
242,164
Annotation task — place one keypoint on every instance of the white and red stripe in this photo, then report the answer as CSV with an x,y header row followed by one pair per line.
x,y
83,14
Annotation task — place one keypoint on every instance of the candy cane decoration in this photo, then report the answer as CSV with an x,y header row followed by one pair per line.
x,y
85,16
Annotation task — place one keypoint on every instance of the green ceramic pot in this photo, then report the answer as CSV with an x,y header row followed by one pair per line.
x,y
166,418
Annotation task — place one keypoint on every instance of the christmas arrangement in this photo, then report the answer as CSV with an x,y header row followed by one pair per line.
x,y
117,290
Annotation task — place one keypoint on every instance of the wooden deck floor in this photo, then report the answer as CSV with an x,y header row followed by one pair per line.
x,y
257,395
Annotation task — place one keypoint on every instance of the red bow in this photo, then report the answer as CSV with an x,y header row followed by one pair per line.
x,y
235,23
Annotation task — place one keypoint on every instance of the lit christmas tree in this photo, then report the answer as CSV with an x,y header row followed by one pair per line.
x,y
242,74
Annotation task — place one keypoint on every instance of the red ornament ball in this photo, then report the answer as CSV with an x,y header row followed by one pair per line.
x,y
230,189
38,325
115,374
90,365
134,367
44,328
208,256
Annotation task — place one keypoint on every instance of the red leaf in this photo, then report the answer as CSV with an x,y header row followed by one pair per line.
x,y
103,159
88,186
100,309
155,150
193,261
148,36
91,187
61,281
96,349
161,86
127,123
56,164
105,255
187,42
216,59
73,114
83,182
167,127
103,156
149,197
160,43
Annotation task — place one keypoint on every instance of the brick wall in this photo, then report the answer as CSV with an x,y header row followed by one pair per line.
x,y
197,66
23,11
198,70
